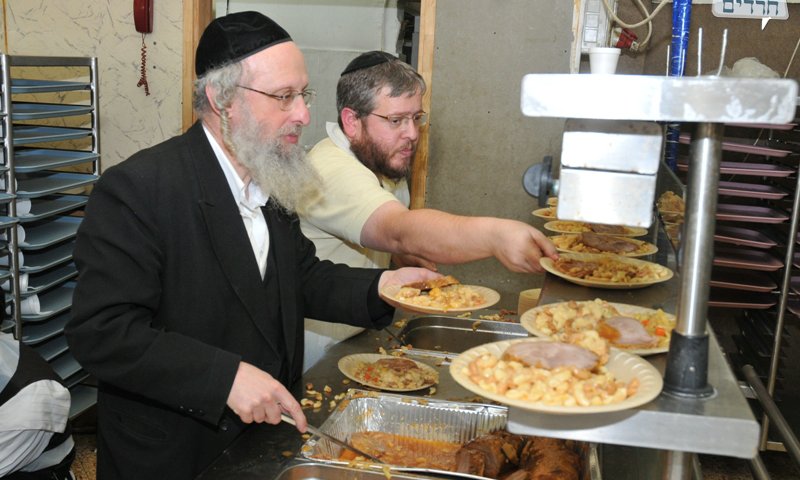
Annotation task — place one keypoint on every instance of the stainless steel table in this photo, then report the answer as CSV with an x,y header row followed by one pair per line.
x,y
265,450
635,443
639,443
722,424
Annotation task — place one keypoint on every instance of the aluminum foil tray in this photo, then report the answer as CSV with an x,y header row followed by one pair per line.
x,y
417,417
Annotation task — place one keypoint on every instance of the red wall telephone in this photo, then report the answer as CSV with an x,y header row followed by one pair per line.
x,y
143,20
143,15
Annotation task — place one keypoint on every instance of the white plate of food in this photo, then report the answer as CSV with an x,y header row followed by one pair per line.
x,y
568,226
631,328
388,372
441,295
606,271
670,202
548,213
596,243
633,380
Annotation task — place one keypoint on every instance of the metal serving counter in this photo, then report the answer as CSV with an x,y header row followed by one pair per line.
x,y
263,451
667,423
635,443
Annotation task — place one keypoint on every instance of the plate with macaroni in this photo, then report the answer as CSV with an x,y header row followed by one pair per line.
x,y
597,243
569,226
548,213
631,328
670,202
456,298
388,372
606,271
624,381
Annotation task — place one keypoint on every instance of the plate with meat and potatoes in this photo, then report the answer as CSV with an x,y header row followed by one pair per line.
x,y
589,242
544,375
634,329
602,270
569,226
388,372
441,295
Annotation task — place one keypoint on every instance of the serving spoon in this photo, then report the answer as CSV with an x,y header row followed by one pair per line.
x,y
320,433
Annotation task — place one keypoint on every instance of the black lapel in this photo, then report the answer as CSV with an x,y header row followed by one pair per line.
x,y
282,244
227,233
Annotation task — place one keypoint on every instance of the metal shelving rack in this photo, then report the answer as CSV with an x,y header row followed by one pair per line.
x,y
40,147
708,404
788,288
760,332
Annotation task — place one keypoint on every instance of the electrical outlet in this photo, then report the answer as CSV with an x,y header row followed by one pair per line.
x,y
596,26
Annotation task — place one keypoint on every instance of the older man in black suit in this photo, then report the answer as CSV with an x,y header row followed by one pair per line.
x,y
194,277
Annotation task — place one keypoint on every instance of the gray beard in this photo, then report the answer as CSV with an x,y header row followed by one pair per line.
x,y
281,171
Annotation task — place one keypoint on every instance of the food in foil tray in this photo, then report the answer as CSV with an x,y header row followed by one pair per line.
x,y
494,455
446,437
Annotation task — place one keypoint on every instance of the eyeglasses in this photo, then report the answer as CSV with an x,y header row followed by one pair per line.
x,y
286,100
397,121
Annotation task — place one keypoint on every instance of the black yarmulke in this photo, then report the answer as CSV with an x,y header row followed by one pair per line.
x,y
233,37
368,59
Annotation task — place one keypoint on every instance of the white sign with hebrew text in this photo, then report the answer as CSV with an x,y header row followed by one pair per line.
x,y
772,9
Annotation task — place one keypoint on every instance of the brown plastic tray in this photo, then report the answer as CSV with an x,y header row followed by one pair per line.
x,y
743,168
747,280
751,190
745,258
794,306
794,284
724,298
743,236
740,145
749,213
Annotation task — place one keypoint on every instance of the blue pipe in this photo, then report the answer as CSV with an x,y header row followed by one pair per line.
x,y
681,17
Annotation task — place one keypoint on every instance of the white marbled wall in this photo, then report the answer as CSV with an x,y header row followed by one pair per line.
x,y
129,120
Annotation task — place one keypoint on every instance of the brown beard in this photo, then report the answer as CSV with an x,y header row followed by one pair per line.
x,y
376,159
281,171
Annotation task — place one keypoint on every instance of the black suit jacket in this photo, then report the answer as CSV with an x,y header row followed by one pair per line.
x,y
169,300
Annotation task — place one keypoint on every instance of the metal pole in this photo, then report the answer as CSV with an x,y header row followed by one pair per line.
x,y
687,364
758,469
782,304
11,189
774,414
678,466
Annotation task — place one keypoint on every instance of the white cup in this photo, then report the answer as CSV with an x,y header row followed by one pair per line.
x,y
603,59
